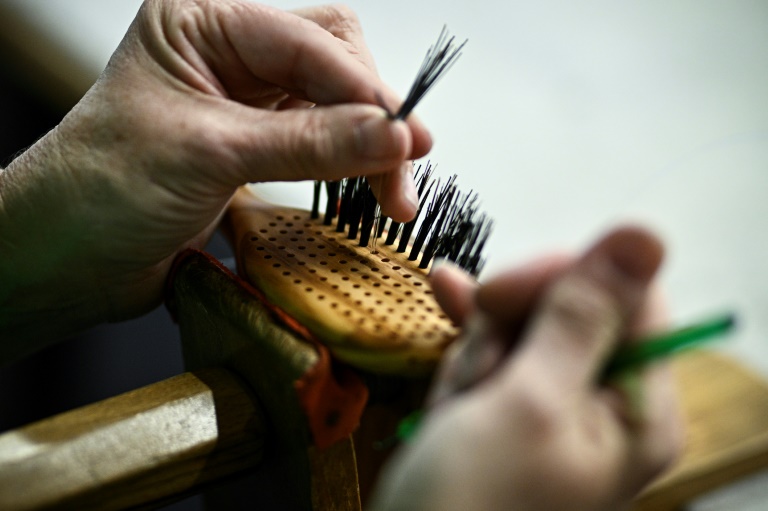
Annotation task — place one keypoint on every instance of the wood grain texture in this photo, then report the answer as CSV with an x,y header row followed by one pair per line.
x,y
223,325
374,311
726,413
144,446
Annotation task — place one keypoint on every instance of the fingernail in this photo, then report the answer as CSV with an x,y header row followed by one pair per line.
x,y
636,253
379,138
409,186
440,263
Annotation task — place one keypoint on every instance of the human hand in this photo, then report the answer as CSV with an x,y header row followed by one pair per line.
x,y
520,419
199,98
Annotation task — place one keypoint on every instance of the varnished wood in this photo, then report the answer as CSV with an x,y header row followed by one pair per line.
x,y
144,446
335,485
726,413
375,312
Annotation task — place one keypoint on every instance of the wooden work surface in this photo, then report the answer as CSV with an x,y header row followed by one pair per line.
x,y
726,413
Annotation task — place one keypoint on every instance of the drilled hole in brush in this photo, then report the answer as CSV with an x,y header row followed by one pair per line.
x,y
263,231
321,297
288,224
259,248
267,256
280,217
254,238
308,289
286,273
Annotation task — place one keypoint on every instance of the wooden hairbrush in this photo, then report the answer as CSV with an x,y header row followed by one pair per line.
x,y
357,284
374,309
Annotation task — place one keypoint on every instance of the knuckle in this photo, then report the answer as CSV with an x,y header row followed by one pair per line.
x,y
312,145
584,308
342,18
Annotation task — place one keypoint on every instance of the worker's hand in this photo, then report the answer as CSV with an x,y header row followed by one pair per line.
x,y
520,419
200,97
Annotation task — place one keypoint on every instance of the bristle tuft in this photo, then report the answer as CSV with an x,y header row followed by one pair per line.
x,y
448,223
438,60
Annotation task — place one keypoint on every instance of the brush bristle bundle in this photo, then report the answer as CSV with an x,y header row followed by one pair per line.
x,y
439,58
450,225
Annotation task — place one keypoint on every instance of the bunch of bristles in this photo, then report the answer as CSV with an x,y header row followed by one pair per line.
x,y
449,223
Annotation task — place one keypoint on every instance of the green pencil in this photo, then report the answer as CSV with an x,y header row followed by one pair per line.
x,y
663,345
631,356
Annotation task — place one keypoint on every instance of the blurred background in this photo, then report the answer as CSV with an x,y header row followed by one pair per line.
x,y
566,118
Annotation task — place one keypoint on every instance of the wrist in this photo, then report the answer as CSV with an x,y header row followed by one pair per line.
x,y
42,297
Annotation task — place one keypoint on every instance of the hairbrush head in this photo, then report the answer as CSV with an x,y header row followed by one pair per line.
x,y
375,311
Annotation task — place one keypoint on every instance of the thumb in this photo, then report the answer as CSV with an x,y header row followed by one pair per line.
x,y
325,142
586,311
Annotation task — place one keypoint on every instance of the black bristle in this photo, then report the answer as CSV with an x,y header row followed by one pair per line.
x,y
394,231
438,60
344,205
382,225
356,205
331,207
369,214
316,200
435,216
